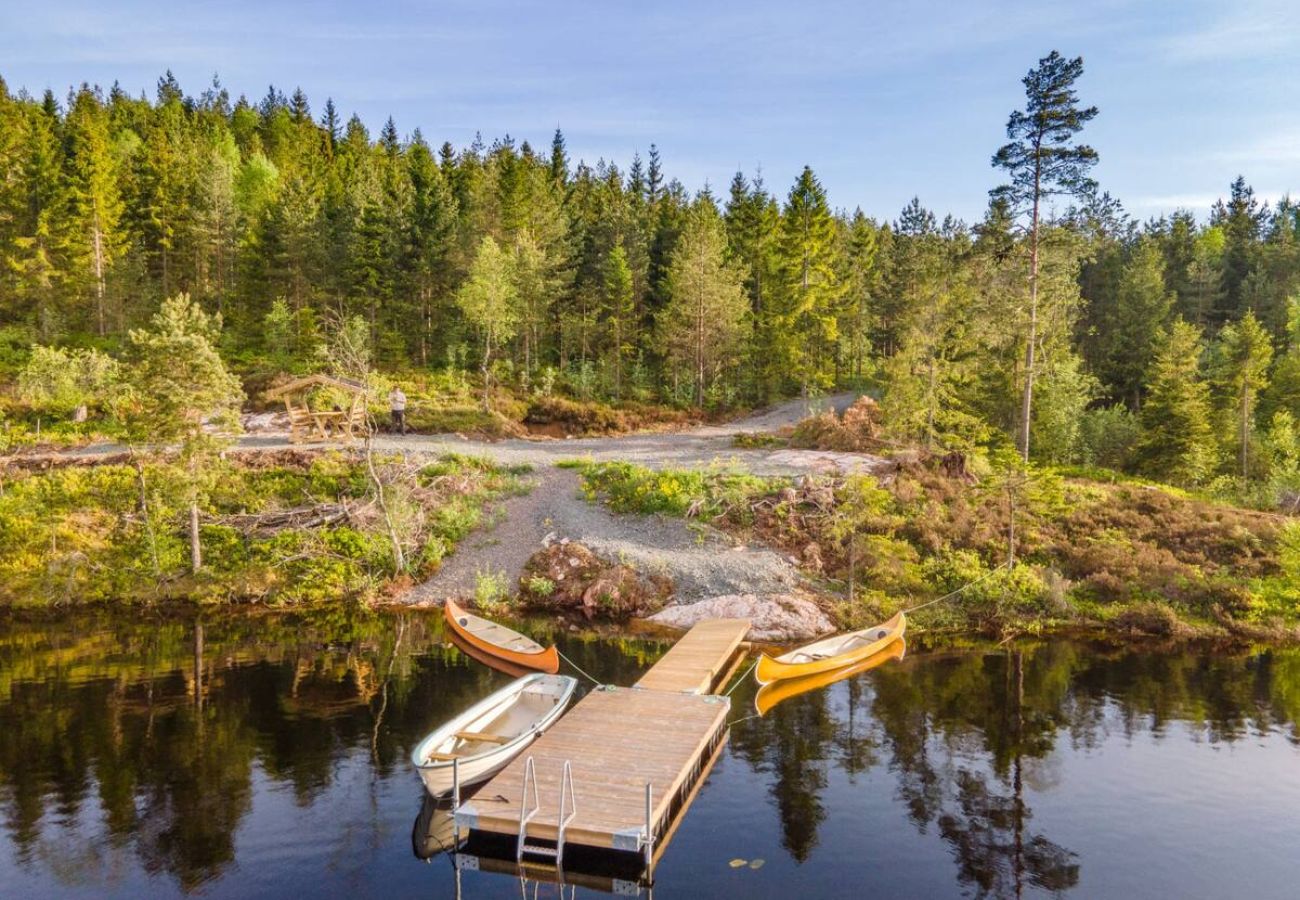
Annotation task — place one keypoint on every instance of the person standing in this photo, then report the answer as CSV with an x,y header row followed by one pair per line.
x,y
397,406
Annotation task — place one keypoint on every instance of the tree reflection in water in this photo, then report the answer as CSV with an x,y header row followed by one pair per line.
x,y
961,732
148,740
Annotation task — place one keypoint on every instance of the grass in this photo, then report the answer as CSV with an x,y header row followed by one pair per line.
x,y
282,529
1122,555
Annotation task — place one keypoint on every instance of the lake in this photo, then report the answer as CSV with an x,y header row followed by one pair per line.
x,y
263,755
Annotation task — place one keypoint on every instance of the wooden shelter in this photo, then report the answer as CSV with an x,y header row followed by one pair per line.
x,y
343,422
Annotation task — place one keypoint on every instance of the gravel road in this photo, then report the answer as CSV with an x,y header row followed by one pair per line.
x,y
700,561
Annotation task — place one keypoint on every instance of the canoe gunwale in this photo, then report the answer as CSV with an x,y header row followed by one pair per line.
x,y
770,669
545,660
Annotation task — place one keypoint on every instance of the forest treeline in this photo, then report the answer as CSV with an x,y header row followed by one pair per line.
x,y
1169,347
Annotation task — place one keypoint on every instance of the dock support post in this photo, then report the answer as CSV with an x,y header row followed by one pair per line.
x,y
455,804
649,830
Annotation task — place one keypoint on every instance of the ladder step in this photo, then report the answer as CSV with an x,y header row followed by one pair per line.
x,y
535,850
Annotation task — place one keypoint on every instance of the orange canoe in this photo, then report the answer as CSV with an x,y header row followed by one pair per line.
x,y
500,641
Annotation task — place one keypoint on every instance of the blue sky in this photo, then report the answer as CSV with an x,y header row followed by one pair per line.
x,y
883,99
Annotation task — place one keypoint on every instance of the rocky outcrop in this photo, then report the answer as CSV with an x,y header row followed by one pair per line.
x,y
775,617
566,577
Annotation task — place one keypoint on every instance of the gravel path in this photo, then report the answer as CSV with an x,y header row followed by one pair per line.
x,y
700,561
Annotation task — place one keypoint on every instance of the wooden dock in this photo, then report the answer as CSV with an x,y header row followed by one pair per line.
x,y
637,755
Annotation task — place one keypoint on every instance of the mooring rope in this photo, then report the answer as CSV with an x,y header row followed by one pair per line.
x,y
578,667
951,594
740,680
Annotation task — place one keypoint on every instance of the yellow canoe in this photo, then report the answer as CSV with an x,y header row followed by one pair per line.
x,y
830,653
769,695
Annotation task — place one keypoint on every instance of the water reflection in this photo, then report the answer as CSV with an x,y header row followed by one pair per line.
x,y
158,748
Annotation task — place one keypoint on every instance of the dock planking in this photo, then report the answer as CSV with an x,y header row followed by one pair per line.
x,y
664,732
696,662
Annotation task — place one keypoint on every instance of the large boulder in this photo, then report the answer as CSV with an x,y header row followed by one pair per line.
x,y
775,617
568,579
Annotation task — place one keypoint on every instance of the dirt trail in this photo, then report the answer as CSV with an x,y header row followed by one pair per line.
x,y
701,561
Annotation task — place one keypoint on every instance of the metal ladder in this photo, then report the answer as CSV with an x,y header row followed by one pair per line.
x,y
568,809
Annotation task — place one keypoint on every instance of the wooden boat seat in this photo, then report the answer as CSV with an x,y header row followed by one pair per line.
x,y
442,757
483,737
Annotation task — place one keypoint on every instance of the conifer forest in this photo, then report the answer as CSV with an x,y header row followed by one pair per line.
x,y
1056,324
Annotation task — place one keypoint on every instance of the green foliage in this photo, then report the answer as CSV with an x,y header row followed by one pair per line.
x,y
1177,439
177,380
540,586
59,380
81,534
491,590
702,326
631,488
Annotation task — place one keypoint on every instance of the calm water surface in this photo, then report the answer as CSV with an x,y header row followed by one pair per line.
x,y
259,757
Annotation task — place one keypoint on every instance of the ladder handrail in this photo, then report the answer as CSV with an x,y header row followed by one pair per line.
x,y
526,814
562,821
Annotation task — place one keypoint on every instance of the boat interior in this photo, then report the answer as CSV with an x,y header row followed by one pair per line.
x,y
498,635
501,723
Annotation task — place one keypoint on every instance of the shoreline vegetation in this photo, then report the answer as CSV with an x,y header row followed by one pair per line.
x,y
1091,421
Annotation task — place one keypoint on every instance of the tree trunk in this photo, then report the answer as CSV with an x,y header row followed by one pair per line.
x,y
148,522
196,550
1027,400
98,240
487,375
399,555
1245,434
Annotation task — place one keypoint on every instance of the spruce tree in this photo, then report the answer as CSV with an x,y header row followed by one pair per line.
x,y
619,313
1142,310
1042,160
702,326
1242,220
1177,442
810,287
94,202
559,160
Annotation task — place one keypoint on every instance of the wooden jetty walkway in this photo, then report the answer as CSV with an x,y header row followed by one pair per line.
x,y
617,769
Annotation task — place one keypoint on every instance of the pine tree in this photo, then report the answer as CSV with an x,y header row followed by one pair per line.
x,y
810,288
94,203
559,160
1242,220
654,177
702,327
331,125
1283,391
1142,310
39,227
925,380
429,234
299,108
1177,440
1242,358
619,312
1042,160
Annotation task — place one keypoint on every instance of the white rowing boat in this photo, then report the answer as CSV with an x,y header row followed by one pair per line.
x,y
492,732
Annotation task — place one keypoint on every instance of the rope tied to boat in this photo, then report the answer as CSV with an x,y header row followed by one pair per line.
x,y
578,668
948,596
741,679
